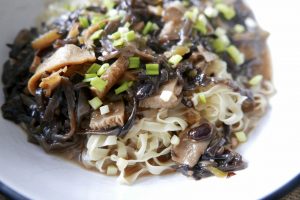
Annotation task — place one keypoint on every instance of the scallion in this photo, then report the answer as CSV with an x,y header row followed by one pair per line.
x,y
147,28
202,98
256,80
124,87
130,36
115,36
200,24
134,62
192,14
95,103
104,110
103,69
118,43
235,54
84,22
93,69
174,60
86,76
109,4
152,69
96,35
241,136
238,28
98,83
227,11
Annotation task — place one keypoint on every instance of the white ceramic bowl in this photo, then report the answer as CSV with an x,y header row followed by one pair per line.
x,y
272,151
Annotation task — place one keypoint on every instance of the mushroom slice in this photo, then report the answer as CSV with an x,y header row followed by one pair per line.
x,y
46,39
68,55
114,118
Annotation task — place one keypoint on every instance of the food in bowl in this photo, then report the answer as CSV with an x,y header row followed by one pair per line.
x,y
142,87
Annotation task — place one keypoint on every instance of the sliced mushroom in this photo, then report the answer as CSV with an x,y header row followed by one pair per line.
x,y
155,101
46,39
68,55
193,143
114,118
112,75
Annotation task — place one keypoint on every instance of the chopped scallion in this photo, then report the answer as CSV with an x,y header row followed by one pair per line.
x,y
227,11
218,173
96,35
238,28
124,87
109,4
115,36
241,136
97,19
93,69
103,69
152,69
134,62
202,98
98,83
104,110
174,60
147,28
130,36
86,76
95,103
118,43
84,22
192,14
200,25
235,54
256,80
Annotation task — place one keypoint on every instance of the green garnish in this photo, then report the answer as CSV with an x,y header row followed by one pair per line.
x,y
220,44
238,28
87,76
227,11
235,54
134,62
97,19
124,87
103,69
174,60
256,80
147,28
202,98
241,136
130,36
93,69
118,43
200,25
95,103
96,35
192,14
152,69
115,36
98,83
109,4
84,22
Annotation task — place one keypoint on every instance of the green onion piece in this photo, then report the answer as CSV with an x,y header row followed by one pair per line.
x,y
174,60
124,87
226,10
218,173
238,28
192,14
88,80
256,80
201,26
152,69
98,83
96,35
93,69
118,43
95,103
103,69
116,35
241,136
86,76
147,28
235,54
202,98
155,27
130,36
109,4
84,22
97,19
127,25
134,62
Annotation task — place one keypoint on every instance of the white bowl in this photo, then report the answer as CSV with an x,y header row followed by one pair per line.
x,y
272,151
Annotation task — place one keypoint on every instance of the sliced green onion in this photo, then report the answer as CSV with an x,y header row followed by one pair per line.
x,y
152,69
84,22
241,136
130,36
202,98
115,36
98,19
118,43
124,87
104,110
103,69
98,83
147,28
127,25
235,54
96,35
238,28
175,140
227,11
200,25
218,173
256,80
134,62
109,4
174,60
95,103
192,14
211,12
93,69
87,76
88,80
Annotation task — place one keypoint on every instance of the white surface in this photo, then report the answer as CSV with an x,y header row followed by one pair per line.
x,y
272,151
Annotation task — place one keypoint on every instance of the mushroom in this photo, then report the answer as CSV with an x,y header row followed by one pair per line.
x,y
46,39
68,55
193,143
